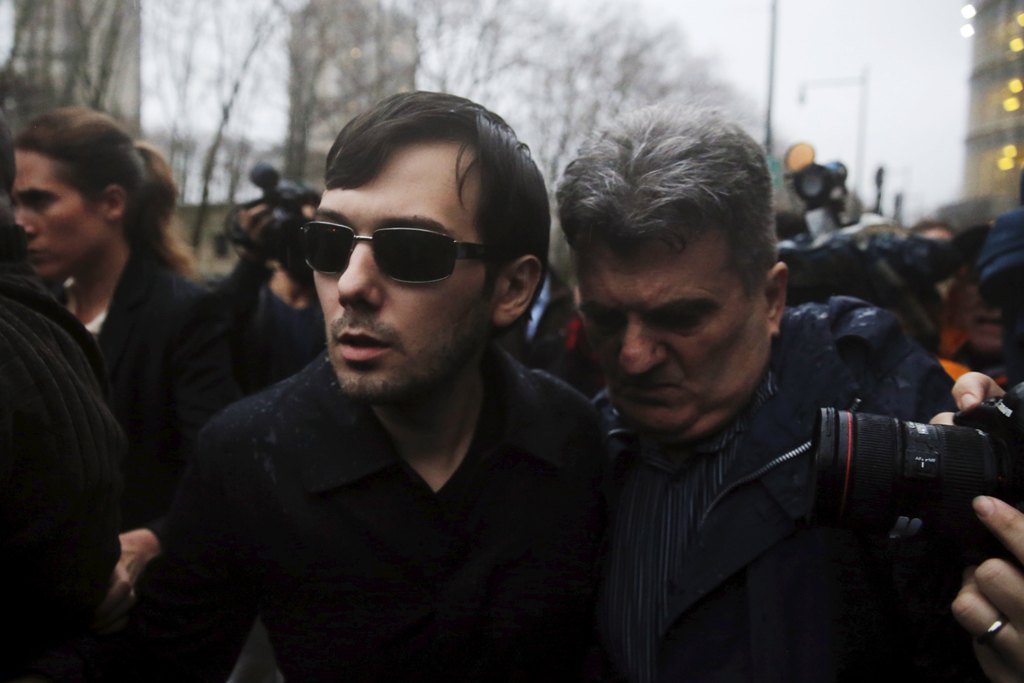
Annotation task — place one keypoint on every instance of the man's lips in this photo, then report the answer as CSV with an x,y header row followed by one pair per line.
x,y
648,392
358,347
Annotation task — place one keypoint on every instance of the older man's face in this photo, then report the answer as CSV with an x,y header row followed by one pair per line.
x,y
682,344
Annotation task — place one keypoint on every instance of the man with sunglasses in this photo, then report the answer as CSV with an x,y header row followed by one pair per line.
x,y
715,570
413,505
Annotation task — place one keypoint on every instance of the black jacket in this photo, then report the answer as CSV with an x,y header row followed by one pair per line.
x,y
766,595
60,450
166,348
264,351
298,508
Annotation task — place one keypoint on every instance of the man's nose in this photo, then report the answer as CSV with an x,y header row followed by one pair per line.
x,y
641,350
361,279
23,218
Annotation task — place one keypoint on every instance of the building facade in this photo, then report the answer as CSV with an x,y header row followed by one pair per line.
x,y
343,56
995,138
84,52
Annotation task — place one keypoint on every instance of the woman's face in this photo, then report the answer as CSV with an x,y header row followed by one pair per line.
x,y
67,234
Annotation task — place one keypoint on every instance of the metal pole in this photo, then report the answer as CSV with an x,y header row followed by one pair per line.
x,y
771,77
862,127
862,117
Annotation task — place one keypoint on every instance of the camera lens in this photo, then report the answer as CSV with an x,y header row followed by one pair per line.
x,y
871,470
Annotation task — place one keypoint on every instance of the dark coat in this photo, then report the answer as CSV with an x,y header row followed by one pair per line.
x,y
263,352
297,507
166,347
800,602
60,450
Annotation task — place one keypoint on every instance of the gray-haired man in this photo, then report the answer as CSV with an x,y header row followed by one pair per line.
x,y
713,572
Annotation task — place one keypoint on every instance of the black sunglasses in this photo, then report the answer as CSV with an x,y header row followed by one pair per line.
x,y
410,255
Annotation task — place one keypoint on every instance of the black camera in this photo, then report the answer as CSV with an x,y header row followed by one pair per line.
x,y
280,240
820,184
881,474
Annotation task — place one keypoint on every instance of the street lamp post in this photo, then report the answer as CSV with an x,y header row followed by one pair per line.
x,y
862,118
771,77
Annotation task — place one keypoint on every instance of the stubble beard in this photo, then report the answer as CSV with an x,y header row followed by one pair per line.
x,y
438,365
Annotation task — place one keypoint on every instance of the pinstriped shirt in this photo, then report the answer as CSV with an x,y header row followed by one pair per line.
x,y
659,508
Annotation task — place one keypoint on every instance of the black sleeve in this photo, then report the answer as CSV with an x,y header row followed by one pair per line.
x,y
60,450
196,601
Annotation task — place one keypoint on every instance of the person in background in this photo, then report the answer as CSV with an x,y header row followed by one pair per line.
x,y
60,452
277,327
551,338
98,211
972,328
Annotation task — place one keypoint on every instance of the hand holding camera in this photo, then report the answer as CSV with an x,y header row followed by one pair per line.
x,y
268,228
251,223
990,605
877,474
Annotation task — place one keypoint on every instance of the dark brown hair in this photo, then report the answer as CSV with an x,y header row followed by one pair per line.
x,y
92,152
513,217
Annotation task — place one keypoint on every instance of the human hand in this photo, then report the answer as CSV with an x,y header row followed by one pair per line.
x,y
968,392
990,604
138,547
252,222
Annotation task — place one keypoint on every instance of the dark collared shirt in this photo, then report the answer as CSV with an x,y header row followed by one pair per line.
x,y
657,514
300,509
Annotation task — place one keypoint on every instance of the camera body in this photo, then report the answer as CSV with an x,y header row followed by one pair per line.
x,y
881,474
280,239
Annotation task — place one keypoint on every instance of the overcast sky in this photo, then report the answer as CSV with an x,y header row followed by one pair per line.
x,y
917,63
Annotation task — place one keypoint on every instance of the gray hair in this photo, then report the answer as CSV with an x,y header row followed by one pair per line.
x,y
672,174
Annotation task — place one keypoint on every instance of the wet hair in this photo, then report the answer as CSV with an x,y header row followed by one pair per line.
x,y
672,174
92,152
513,216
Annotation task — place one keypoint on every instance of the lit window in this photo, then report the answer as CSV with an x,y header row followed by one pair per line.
x,y
1011,104
1017,44
1015,85
1020,18
1010,151
968,11
967,30
1005,164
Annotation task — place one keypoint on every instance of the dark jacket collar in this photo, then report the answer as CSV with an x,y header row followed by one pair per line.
x,y
133,288
751,517
356,445
771,503
808,373
21,285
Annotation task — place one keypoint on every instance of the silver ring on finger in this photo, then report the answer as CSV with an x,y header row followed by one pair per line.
x,y
990,633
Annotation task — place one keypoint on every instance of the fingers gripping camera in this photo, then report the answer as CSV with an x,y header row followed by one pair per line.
x,y
881,474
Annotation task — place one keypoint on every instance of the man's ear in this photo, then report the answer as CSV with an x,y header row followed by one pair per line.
x,y
513,289
113,203
775,294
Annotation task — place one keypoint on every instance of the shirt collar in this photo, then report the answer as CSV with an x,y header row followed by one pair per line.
x,y
357,445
